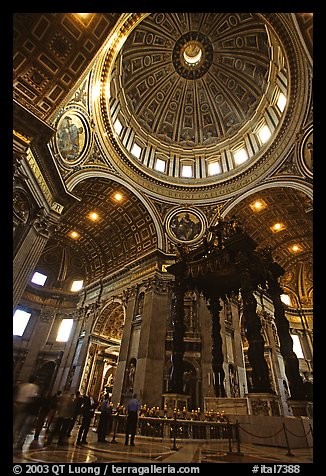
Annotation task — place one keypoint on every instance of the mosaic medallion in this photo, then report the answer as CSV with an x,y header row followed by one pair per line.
x,y
72,137
306,152
185,225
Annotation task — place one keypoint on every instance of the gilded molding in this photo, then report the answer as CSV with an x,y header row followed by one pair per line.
x,y
22,137
41,182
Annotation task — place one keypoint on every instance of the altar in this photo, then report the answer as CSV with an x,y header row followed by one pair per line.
x,y
228,264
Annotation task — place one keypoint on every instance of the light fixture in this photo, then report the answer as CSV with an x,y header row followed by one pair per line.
x,y
117,196
73,234
277,227
258,205
93,216
295,248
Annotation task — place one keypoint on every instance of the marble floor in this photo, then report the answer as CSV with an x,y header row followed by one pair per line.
x,y
154,450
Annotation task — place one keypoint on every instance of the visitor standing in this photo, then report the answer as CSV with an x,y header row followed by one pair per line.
x,y
87,411
132,409
102,429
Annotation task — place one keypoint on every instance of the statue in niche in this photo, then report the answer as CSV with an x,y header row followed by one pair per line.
x,y
209,139
140,305
187,139
20,206
131,375
234,381
227,309
186,381
286,394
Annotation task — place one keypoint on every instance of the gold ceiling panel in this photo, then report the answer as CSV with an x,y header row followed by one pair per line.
x,y
293,209
123,232
51,51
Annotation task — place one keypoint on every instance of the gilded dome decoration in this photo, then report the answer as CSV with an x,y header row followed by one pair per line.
x,y
215,95
194,100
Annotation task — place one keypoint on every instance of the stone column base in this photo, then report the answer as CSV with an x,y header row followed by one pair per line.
x,y
228,405
266,404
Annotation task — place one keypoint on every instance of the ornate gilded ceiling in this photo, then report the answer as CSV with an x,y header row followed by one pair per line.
x,y
189,89
186,105
51,52
291,209
192,104
122,232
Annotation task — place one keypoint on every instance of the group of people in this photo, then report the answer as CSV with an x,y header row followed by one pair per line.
x,y
58,414
33,410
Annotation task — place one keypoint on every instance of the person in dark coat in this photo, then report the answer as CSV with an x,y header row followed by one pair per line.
x,y
53,405
78,401
45,402
87,411
102,429
64,413
132,409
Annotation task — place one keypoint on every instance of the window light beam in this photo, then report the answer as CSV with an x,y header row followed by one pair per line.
x,y
240,156
39,278
64,330
20,321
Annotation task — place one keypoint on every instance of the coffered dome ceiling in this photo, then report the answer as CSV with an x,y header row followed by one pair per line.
x,y
192,109
193,79
194,100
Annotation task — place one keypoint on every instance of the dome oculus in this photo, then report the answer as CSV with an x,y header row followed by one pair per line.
x,y
192,55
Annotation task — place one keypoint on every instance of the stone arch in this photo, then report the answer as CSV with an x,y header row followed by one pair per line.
x,y
276,183
84,175
109,323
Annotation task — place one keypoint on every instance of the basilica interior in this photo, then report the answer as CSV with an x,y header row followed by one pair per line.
x,y
163,214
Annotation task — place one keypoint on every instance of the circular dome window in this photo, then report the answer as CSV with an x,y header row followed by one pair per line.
x,y
192,54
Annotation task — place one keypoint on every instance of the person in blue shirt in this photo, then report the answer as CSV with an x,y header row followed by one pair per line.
x,y
132,409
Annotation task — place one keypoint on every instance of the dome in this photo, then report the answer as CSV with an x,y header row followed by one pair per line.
x,y
195,97
212,97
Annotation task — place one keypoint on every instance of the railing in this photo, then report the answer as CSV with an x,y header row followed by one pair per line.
x,y
178,429
174,429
